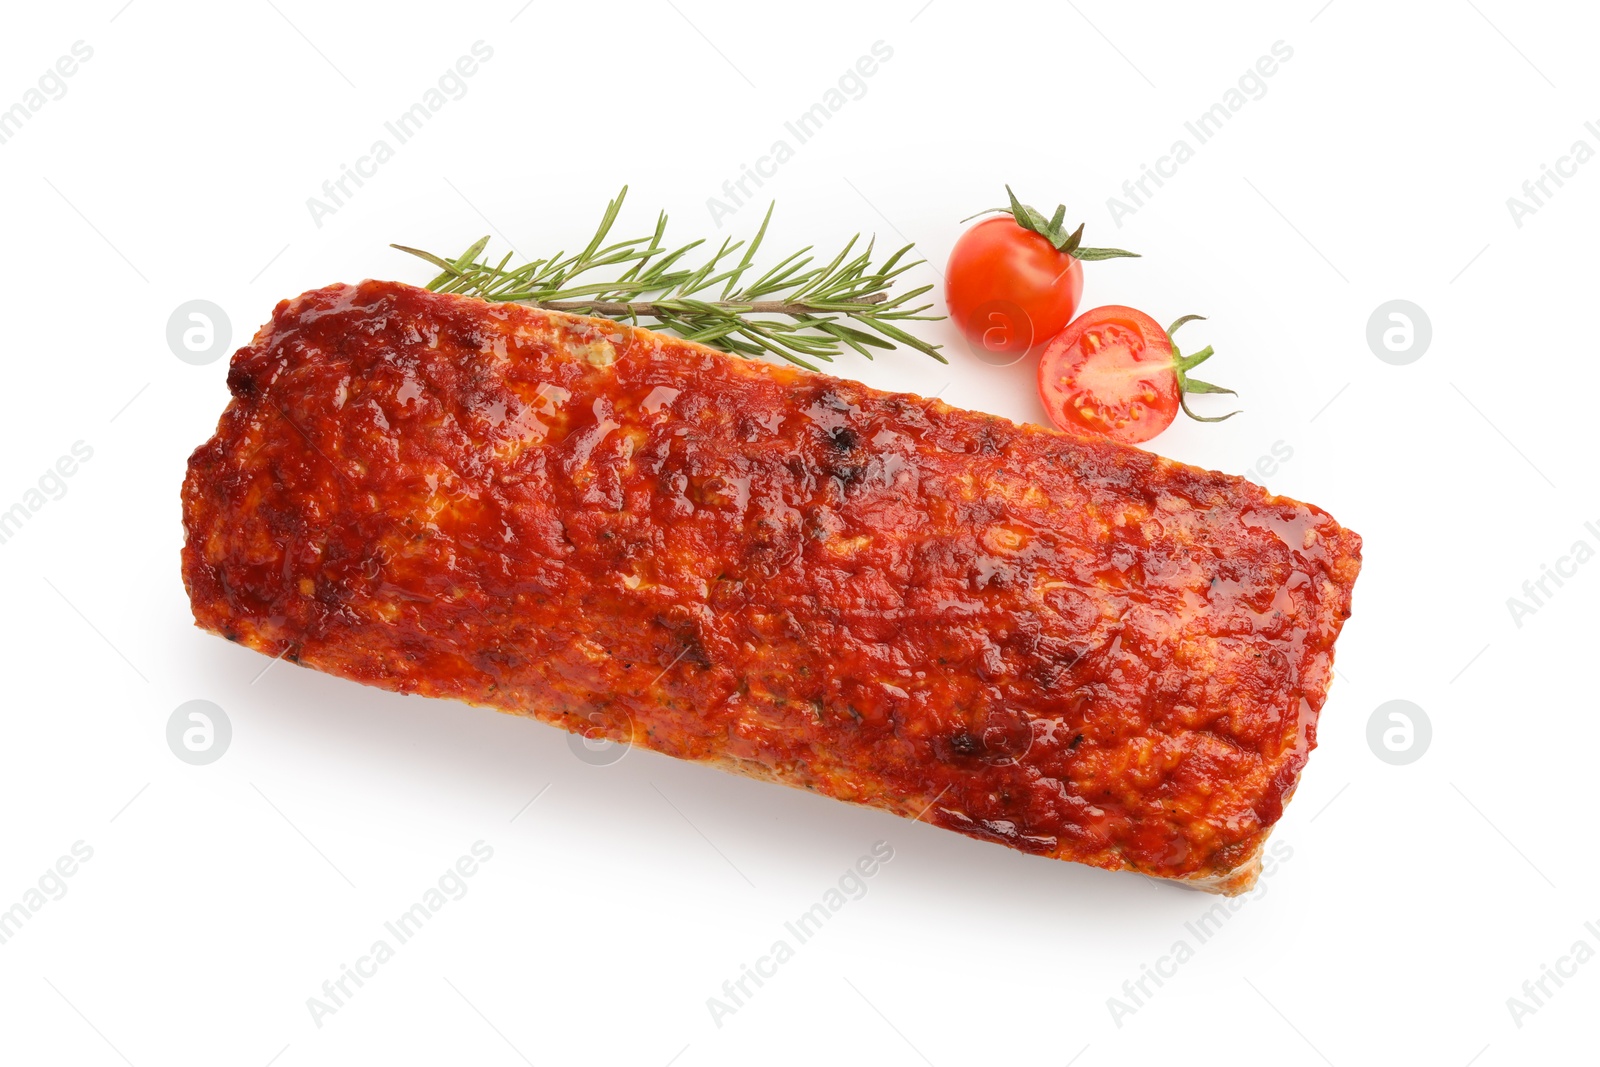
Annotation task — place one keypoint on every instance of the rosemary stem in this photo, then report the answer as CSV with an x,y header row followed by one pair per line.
x,y
650,310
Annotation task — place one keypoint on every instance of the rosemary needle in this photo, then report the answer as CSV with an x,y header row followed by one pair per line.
x,y
798,310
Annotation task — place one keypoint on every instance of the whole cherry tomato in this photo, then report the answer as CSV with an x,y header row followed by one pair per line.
x,y
1014,281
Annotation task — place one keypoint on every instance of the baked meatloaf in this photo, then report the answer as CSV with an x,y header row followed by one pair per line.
x,y
1072,647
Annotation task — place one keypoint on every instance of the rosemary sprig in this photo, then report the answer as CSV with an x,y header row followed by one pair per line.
x,y
799,310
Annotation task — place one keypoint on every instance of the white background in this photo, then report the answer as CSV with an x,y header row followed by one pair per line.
x,y
1377,166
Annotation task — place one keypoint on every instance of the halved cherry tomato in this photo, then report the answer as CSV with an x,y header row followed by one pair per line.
x,y
1015,280
1114,372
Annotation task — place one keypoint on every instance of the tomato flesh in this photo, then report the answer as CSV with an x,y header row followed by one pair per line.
x,y
1008,290
1110,373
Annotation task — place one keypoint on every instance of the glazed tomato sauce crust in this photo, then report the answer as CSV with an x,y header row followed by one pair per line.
x,y
1072,647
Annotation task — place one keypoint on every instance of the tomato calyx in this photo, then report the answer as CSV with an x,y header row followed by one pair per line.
x,y
1054,230
1183,364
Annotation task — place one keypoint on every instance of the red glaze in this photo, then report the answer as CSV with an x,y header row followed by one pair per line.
x,y
1069,646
